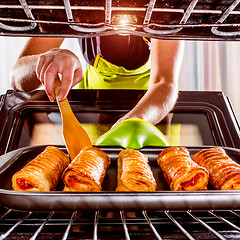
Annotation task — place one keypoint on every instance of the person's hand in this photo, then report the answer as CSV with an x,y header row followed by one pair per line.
x,y
63,62
125,117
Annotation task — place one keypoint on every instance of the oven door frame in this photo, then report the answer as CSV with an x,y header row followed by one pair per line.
x,y
215,105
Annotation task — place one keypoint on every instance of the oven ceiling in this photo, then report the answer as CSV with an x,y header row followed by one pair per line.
x,y
165,19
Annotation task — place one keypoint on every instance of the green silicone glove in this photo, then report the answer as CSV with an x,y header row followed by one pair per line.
x,y
133,134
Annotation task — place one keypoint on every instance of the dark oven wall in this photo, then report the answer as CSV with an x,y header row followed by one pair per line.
x,y
198,118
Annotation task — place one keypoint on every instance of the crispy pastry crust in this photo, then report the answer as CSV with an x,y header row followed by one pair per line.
x,y
87,171
43,172
180,171
134,172
224,173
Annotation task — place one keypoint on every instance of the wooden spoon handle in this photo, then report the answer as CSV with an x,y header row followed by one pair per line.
x,y
57,85
75,137
64,105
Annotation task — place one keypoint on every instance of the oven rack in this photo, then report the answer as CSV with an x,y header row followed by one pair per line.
x,y
123,225
189,19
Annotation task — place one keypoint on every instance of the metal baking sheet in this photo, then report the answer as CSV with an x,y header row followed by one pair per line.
x,y
108,199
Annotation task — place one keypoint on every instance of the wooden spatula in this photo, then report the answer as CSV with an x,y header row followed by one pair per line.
x,y
75,137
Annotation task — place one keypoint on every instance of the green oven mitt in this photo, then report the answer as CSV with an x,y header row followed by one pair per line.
x,y
133,134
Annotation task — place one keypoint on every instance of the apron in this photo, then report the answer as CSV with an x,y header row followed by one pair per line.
x,y
105,75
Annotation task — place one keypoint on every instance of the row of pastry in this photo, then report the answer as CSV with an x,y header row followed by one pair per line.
x,y
87,171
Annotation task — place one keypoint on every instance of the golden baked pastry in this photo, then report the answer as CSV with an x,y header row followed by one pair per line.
x,y
180,171
134,172
224,173
87,171
43,172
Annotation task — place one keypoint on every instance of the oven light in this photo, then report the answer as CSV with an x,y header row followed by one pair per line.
x,y
123,21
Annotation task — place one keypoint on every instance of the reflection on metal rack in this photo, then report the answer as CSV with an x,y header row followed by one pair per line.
x,y
222,18
182,22
158,19
79,225
89,27
28,12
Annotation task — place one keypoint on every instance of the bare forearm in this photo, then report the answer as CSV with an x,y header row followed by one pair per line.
x,y
23,74
156,103
166,57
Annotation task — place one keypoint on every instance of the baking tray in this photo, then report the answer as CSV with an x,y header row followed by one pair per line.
x,y
108,199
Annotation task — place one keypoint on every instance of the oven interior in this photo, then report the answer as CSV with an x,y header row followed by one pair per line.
x,y
199,118
205,117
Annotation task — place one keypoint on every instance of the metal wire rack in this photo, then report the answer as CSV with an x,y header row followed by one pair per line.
x,y
188,19
123,225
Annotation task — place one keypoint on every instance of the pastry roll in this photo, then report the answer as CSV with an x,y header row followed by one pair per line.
x,y
224,173
134,172
180,171
43,172
87,171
